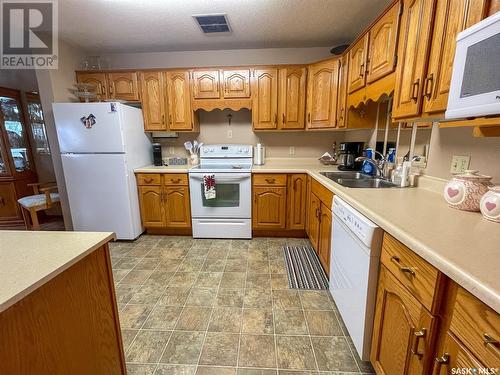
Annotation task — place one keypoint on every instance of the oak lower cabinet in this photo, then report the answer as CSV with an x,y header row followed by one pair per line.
x,y
152,207
454,355
297,201
177,207
325,237
313,226
269,207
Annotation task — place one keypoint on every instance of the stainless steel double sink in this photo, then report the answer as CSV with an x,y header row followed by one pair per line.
x,y
354,179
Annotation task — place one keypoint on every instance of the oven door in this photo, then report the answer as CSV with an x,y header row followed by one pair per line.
x,y
233,196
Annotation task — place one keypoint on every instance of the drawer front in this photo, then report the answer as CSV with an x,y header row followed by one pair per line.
x,y
478,327
411,270
148,179
175,179
268,179
325,195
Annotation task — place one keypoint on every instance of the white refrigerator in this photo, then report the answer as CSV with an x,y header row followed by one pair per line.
x,y
100,145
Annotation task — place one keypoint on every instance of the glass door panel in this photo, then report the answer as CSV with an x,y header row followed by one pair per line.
x,y
37,123
227,195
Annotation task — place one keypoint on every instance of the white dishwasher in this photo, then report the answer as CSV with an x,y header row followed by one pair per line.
x,y
354,264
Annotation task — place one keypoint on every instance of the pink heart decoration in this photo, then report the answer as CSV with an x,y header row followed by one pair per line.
x,y
490,206
452,192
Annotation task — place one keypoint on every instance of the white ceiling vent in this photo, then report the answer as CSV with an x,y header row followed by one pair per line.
x,y
212,23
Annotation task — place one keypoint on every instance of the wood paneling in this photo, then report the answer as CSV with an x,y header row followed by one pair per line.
x,y
357,64
123,85
67,326
236,83
265,99
177,207
152,207
297,201
292,97
153,101
206,84
325,237
180,114
269,207
98,79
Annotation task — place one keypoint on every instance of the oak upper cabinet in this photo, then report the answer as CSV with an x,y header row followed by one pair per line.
x,y
180,114
413,48
297,201
269,201
357,64
98,79
153,101
265,99
236,83
206,84
402,332
382,48
321,104
325,237
452,17
342,92
123,85
292,97
177,206
152,209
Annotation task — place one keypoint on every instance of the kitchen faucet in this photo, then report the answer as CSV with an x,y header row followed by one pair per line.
x,y
380,166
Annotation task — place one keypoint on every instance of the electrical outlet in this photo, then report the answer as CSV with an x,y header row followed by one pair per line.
x,y
171,150
230,133
292,150
459,163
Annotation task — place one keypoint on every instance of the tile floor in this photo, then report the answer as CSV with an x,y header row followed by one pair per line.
x,y
223,307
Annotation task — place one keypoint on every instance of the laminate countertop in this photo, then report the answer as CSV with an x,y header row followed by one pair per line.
x,y
30,259
461,244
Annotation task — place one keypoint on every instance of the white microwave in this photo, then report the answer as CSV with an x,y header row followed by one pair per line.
x,y
475,81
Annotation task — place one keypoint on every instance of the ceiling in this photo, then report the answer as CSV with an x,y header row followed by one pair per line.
x,y
167,25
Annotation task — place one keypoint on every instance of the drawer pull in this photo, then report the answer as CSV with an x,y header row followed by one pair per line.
x,y
488,340
404,269
444,359
270,180
176,181
148,180
418,335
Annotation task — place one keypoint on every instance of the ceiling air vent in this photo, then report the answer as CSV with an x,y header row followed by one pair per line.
x,y
212,23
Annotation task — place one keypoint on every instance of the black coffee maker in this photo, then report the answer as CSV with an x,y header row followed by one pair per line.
x,y
348,152
157,158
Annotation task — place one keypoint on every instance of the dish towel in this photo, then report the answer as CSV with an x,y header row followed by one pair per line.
x,y
209,186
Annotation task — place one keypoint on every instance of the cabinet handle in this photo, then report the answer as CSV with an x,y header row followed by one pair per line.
x,y
275,118
309,117
283,118
429,85
148,180
270,180
418,335
415,87
110,89
404,269
176,181
170,119
444,359
489,340
162,119
2,201
362,70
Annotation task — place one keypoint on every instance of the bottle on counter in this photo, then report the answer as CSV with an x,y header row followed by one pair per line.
x,y
259,154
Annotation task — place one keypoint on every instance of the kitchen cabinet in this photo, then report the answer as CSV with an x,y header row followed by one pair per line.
x,y
265,99
357,64
342,92
100,80
269,207
152,207
154,101
325,237
321,102
313,220
296,201
206,84
180,113
292,97
236,83
177,207
454,355
123,85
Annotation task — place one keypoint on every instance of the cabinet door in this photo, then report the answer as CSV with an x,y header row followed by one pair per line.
x,y
322,95
97,79
292,97
454,356
8,202
265,99
414,42
403,330
236,83
177,207
180,116
325,237
123,86
357,64
342,92
314,211
382,49
296,205
153,101
269,207
152,208
452,17
206,84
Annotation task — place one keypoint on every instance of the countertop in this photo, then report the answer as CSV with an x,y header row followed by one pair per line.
x,y
462,245
30,259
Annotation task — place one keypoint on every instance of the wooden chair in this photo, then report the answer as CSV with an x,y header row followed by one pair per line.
x,y
44,198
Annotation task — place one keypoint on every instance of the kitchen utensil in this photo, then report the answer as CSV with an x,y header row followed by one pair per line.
x,y
189,146
464,191
195,146
490,204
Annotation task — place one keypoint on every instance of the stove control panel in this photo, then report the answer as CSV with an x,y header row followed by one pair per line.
x,y
226,151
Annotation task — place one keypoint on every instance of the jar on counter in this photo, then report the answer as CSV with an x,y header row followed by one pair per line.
x,y
464,191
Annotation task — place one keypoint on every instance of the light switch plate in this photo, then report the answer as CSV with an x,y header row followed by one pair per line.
x,y
292,150
459,163
230,133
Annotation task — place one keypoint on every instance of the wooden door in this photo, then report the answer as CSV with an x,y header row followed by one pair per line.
x,y
297,200
269,207
97,79
154,101
313,225
322,95
325,237
236,83
413,47
152,207
452,17
206,84
123,85
382,48
342,92
292,97
357,65
177,207
454,355
180,115
403,330
8,202
265,99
